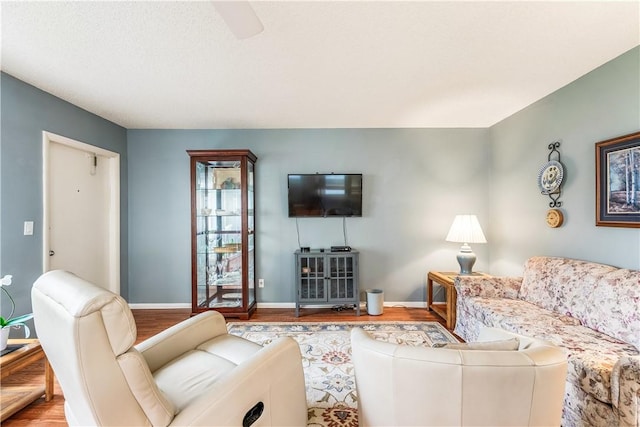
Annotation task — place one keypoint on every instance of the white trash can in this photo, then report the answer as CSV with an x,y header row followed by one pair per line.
x,y
375,301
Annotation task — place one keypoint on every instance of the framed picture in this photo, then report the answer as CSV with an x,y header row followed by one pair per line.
x,y
618,182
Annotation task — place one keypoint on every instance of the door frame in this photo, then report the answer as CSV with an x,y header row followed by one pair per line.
x,y
113,164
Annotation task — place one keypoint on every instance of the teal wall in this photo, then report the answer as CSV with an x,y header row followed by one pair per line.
x,y
601,105
415,182
25,113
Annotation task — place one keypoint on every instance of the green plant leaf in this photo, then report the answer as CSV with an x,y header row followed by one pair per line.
x,y
19,319
27,331
13,304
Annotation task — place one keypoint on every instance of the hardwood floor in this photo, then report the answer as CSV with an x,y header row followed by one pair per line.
x,y
150,322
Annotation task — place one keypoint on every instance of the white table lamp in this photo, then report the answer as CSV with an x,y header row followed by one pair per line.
x,y
466,229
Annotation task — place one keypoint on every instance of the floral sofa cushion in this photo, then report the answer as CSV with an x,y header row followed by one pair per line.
x,y
590,310
509,314
602,297
591,354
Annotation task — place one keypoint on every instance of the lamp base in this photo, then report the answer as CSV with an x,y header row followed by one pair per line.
x,y
466,258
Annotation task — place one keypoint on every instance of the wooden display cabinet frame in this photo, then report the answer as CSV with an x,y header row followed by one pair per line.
x,y
244,158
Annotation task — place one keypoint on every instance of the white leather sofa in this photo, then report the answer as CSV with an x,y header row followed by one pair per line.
x,y
399,385
193,373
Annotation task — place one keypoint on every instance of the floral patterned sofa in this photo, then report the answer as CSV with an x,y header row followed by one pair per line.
x,y
590,310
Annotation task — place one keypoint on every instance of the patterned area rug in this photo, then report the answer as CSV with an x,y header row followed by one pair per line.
x,y
326,358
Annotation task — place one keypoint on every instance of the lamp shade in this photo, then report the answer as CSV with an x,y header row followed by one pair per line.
x,y
466,229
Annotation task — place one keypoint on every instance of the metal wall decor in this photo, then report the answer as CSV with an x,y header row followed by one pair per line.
x,y
550,177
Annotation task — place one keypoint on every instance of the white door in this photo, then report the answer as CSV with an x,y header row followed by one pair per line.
x,y
82,211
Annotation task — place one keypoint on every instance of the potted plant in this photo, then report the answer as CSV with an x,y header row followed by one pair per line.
x,y
7,323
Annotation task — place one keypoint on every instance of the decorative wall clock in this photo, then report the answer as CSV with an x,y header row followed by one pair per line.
x,y
555,218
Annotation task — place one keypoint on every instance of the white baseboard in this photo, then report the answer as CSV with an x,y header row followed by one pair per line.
x,y
408,304
276,305
169,306
159,306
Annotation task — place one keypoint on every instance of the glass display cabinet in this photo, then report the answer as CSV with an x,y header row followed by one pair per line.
x,y
223,232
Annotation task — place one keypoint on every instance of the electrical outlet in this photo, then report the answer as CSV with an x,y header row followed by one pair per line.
x,y
261,283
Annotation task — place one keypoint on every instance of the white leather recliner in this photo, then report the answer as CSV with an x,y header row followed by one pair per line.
x,y
398,385
193,373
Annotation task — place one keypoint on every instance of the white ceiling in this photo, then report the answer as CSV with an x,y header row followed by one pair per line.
x,y
317,64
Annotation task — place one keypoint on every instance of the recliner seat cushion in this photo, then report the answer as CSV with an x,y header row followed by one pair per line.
x,y
187,377
231,347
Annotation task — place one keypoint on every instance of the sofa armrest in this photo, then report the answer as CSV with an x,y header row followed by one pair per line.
x,y
273,376
488,286
625,390
176,340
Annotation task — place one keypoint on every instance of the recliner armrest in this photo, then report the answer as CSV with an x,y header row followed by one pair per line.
x,y
186,335
273,375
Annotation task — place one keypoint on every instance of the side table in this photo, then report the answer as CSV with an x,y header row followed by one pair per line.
x,y
446,310
14,398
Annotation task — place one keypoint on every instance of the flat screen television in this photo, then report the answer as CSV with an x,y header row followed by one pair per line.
x,y
325,195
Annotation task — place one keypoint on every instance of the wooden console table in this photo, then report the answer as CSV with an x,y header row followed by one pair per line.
x,y
446,310
14,397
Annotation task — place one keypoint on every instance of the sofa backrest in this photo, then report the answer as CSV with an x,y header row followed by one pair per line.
x,y
602,297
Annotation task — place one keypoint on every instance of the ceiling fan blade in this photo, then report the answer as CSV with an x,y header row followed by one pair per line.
x,y
240,18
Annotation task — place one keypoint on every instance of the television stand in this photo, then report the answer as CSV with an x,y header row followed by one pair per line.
x,y
327,278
